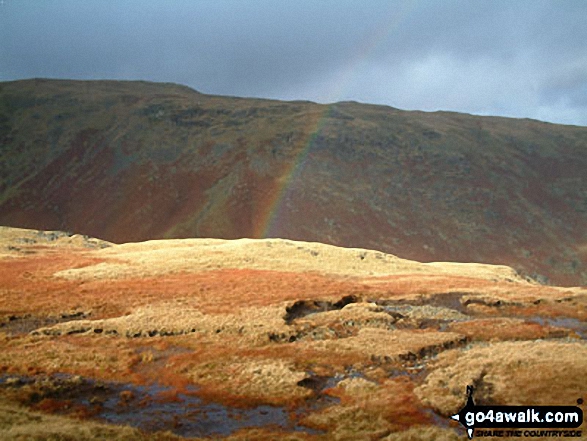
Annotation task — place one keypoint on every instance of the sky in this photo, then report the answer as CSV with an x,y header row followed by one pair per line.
x,y
515,58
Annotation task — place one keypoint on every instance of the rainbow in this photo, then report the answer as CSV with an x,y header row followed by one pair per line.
x,y
274,210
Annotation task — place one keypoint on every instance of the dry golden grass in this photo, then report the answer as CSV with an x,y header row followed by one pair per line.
x,y
159,257
14,240
270,381
176,318
98,357
263,434
370,410
424,433
20,424
501,328
508,373
387,346
342,323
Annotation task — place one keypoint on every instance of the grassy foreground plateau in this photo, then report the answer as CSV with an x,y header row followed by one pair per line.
x,y
256,339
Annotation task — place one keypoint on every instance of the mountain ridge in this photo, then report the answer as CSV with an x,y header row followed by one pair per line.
x,y
190,89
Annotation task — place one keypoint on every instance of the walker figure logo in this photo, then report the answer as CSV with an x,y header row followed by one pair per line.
x,y
519,417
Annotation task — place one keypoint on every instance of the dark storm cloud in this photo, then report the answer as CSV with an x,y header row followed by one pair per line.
x,y
522,58
222,45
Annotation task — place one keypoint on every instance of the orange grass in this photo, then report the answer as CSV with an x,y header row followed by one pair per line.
x,y
231,359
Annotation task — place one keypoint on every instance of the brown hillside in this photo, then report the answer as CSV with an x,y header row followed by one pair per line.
x,y
131,161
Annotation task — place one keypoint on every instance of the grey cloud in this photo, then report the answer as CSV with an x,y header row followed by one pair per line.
x,y
523,58
569,84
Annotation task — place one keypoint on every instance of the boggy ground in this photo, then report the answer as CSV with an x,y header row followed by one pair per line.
x,y
269,339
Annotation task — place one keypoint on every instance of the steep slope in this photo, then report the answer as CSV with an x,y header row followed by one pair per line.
x,y
131,161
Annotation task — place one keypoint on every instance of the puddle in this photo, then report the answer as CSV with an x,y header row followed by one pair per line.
x,y
450,300
576,325
149,408
316,383
187,415
23,324
444,422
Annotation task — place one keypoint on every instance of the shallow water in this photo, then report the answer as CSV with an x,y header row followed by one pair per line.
x,y
18,325
576,325
153,407
186,414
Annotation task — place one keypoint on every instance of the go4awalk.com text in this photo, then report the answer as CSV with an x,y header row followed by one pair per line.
x,y
519,421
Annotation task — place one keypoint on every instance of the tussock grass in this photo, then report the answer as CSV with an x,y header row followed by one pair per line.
x,y
212,316
20,424
508,373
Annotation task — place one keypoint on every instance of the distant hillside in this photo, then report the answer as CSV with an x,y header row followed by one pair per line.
x,y
130,161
